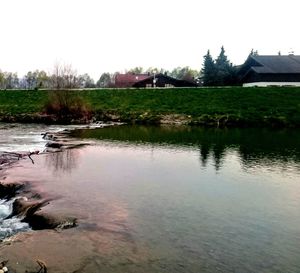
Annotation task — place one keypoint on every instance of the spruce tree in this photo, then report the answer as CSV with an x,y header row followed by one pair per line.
x,y
224,70
209,70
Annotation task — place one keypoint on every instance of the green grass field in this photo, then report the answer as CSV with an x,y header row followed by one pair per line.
x,y
235,105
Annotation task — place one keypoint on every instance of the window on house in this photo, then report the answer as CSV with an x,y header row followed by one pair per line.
x,y
148,85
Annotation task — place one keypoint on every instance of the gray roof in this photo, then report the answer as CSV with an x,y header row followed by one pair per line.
x,y
277,64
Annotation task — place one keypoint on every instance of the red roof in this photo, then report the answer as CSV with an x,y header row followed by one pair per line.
x,y
129,79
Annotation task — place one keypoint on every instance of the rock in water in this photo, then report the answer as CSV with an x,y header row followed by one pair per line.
x,y
55,145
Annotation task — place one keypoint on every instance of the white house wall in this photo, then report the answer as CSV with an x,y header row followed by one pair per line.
x,y
265,84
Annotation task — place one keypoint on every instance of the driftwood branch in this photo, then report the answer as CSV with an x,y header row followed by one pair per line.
x,y
31,158
43,267
20,155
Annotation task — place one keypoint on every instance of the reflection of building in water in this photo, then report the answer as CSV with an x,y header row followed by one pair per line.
x,y
63,161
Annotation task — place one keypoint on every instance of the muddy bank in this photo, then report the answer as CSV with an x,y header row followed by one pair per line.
x,y
151,118
44,119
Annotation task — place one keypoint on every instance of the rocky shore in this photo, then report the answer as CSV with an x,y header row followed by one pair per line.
x,y
28,204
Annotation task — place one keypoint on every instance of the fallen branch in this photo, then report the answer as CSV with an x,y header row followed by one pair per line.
x,y
43,267
21,155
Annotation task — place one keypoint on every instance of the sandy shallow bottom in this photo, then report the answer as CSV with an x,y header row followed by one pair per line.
x,y
72,251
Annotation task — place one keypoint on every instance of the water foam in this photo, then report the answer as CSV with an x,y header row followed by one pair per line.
x,y
11,226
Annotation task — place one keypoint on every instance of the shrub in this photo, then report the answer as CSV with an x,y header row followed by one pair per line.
x,y
66,104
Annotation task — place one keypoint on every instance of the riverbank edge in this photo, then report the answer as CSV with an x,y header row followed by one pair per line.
x,y
148,118
206,107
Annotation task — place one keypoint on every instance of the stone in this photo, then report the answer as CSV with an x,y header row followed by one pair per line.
x,y
54,145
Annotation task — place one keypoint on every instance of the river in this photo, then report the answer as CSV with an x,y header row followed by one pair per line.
x,y
164,199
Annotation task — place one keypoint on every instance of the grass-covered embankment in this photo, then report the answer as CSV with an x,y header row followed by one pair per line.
x,y
234,106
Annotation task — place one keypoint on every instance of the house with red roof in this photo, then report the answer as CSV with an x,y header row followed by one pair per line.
x,y
148,80
129,79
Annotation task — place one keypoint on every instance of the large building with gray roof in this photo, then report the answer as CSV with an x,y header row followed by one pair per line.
x,y
270,70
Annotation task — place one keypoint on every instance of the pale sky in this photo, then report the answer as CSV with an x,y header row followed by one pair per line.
x,y
96,36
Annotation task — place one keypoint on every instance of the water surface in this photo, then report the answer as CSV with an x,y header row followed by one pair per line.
x,y
176,199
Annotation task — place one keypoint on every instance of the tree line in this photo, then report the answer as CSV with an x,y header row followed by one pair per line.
x,y
65,77
218,72
62,77
214,72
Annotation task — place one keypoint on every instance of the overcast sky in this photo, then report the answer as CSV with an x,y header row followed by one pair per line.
x,y
111,35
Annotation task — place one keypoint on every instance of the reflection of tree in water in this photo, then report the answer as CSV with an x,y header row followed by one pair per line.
x,y
279,148
204,154
217,152
254,146
63,161
282,159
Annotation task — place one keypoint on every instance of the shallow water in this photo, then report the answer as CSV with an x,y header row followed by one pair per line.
x,y
17,137
173,199
20,138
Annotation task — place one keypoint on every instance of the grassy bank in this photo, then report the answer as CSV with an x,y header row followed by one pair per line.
x,y
234,106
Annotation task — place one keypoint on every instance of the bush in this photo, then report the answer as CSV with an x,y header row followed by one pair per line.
x,y
66,104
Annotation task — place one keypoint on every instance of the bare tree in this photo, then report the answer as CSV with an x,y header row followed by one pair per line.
x,y
64,76
9,80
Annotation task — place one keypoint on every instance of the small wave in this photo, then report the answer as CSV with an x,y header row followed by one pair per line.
x,y
27,137
11,226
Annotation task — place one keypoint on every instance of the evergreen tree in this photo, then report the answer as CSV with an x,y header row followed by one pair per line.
x,y
209,70
225,72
